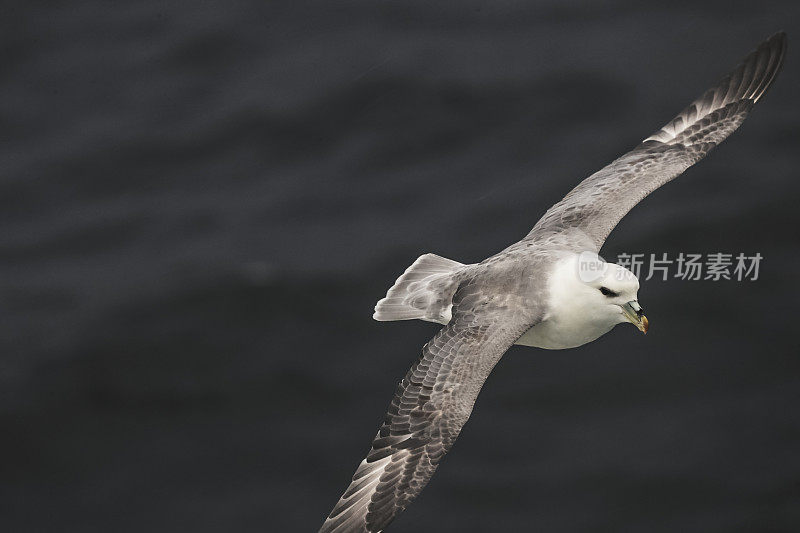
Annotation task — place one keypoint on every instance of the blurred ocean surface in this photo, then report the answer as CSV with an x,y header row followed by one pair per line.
x,y
202,201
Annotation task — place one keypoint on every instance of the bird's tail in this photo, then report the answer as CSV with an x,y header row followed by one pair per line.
x,y
424,291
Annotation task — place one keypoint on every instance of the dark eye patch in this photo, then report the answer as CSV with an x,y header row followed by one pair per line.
x,y
608,292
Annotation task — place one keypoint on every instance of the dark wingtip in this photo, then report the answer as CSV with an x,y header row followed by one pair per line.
x,y
780,38
775,46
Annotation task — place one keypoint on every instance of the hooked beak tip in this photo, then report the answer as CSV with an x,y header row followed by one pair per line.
x,y
635,315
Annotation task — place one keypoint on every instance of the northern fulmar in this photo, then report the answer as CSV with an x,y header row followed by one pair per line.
x,y
549,290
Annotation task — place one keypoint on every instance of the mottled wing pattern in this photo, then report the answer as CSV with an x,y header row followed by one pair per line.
x,y
430,406
600,201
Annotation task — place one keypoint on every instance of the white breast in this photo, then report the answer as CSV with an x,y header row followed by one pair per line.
x,y
560,333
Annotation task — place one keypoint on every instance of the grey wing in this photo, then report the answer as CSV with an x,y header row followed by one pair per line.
x,y
600,201
429,408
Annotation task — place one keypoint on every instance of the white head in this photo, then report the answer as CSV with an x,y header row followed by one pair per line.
x,y
601,294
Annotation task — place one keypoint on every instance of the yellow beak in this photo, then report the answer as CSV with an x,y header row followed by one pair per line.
x,y
635,315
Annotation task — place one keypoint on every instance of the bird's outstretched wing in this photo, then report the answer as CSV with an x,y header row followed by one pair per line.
x,y
600,201
429,408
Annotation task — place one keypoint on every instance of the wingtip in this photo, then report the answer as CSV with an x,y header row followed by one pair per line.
x,y
778,35
780,38
775,47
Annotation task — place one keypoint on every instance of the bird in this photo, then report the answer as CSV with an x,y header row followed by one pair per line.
x,y
549,290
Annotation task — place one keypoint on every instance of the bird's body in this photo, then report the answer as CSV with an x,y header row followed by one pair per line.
x,y
549,290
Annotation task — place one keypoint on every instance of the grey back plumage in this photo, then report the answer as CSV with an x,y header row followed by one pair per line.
x,y
494,302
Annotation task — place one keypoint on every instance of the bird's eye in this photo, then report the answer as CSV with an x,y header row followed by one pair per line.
x,y
608,292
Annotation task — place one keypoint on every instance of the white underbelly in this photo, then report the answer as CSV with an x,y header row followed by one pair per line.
x,y
552,335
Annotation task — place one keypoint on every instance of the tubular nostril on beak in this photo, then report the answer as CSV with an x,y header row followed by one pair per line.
x,y
640,312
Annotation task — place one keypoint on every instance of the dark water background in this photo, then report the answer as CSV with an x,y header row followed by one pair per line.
x,y
202,201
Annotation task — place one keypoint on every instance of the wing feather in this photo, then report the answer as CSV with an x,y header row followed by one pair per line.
x,y
429,408
600,201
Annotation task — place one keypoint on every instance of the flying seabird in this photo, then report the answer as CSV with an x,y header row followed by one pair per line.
x,y
550,290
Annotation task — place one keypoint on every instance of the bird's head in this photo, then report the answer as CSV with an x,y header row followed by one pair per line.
x,y
609,292
617,292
